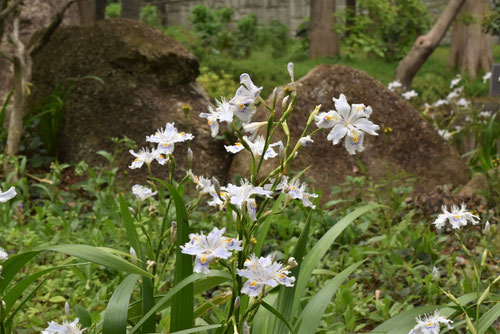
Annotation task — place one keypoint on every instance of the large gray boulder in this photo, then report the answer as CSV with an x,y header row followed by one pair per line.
x,y
147,76
413,146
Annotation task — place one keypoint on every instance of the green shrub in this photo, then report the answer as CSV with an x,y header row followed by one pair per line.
x,y
276,34
217,85
384,28
113,10
149,15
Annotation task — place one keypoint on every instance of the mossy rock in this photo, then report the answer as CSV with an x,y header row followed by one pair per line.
x,y
147,76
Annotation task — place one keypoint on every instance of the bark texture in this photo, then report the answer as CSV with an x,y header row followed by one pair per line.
x,y
100,10
425,44
21,58
131,9
471,48
87,11
323,40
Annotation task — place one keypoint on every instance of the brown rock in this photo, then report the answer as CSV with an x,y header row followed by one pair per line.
x,y
147,78
413,147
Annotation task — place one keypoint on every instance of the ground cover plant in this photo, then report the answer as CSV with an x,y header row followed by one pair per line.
x,y
86,252
234,288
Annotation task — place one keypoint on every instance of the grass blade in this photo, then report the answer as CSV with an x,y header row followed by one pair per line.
x,y
217,278
182,310
174,291
264,228
128,223
24,301
14,293
286,294
404,322
84,315
147,284
277,314
115,318
97,255
314,310
12,266
197,329
488,318
262,317
313,257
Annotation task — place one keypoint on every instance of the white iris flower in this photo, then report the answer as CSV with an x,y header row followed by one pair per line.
x,y
430,324
203,184
409,94
457,218
441,102
350,122
65,328
393,85
243,103
455,93
261,272
8,195
296,190
252,128
486,77
207,248
257,147
463,103
444,133
455,81
3,254
146,156
304,141
240,195
166,138
222,113
142,193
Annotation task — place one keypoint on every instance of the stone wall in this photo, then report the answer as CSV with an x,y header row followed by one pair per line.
x,y
289,12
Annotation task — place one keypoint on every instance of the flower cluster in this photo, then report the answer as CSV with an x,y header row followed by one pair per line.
x,y
457,218
261,272
166,139
241,195
257,147
430,324
394,85
242,105
295,190
207,248
409,94
65,328
348,121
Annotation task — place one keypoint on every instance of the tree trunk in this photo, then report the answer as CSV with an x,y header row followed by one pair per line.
x,y
100,10
471,49
87,11
22,60
323,40
425,44
351,14
131,9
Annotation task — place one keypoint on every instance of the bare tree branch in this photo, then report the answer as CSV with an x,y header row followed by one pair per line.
x,y
8,10
425,44
44,39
